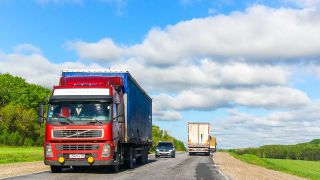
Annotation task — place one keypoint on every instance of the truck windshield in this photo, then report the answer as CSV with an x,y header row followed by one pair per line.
x,y
78,112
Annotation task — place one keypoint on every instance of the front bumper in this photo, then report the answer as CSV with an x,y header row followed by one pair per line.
x,y
93,150
168,153
79,163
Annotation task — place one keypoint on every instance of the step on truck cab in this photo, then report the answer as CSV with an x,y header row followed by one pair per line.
x,y
97,118
198,138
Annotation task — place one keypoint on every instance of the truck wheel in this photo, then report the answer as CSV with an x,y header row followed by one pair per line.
x,y
129,159
56,169
143,159
139,159
115,168
145,156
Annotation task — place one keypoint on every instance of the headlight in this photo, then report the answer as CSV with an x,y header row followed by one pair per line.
x,y
48,150
106,150
157,149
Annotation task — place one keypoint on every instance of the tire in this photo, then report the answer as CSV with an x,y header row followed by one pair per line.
x,y
190,154
139,160
174,155
115,168
56,169
129,159
143,159
145,156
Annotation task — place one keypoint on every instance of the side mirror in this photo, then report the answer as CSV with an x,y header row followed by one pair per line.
x,y
40,113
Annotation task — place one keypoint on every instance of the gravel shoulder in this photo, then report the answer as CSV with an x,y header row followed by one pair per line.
x,y
16,169
237,170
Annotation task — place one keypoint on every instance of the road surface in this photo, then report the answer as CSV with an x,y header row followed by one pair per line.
x,y
181,167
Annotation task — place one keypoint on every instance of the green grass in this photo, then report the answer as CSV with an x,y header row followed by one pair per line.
x,y
307,169
11,154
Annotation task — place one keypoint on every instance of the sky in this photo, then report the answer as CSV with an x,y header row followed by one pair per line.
x,y
250,68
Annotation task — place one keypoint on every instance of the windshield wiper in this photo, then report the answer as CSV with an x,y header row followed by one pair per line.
x,y
95,121
69,120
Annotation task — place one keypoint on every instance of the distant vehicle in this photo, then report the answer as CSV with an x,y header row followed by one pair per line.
x,y
97,118
165,149
213,144
198,138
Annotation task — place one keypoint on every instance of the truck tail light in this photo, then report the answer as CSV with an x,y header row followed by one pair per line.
x,y
106,150
48,150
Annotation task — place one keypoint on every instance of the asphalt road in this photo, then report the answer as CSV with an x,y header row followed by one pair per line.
x,y
181,167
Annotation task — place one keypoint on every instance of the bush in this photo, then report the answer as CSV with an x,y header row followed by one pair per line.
x,y
304,151
18,105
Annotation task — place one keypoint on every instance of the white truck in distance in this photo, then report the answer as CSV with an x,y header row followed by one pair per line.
x,y
198,138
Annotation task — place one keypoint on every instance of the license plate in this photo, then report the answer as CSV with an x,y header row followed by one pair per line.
x,y
77,156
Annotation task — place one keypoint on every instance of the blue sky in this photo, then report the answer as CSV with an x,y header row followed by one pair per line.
x,y
250,68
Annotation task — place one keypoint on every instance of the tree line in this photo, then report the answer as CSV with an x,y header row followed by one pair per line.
x,y
303,151
161,135
19,101
18,105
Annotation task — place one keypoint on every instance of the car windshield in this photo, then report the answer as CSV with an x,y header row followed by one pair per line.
x,y
165,145
79,111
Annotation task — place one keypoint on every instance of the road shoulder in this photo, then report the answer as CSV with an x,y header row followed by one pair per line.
x,y
22,168
236,169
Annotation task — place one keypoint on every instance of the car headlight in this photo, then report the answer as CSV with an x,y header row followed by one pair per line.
x,y
157,149
106,150
170,150
48,149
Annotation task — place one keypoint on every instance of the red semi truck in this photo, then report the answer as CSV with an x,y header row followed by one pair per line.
x,y
97,118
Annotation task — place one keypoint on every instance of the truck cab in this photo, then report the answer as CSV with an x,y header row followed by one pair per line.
x,y
87,124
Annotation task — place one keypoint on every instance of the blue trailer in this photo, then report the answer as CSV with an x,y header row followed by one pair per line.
x,y
138,104
137,111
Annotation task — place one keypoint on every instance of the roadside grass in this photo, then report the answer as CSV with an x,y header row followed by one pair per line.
x,y
307,169
11,154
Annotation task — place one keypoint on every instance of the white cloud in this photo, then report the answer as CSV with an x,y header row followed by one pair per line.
x,y
206,73
169,115
26,49
258,34
103,50
35,68
240,129
210,99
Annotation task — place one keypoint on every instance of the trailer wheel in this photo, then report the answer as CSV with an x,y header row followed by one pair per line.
x,y
145,156
129,158
143,159
56,169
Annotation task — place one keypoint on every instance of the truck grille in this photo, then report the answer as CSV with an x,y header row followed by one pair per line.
x,y
77,133
77,147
